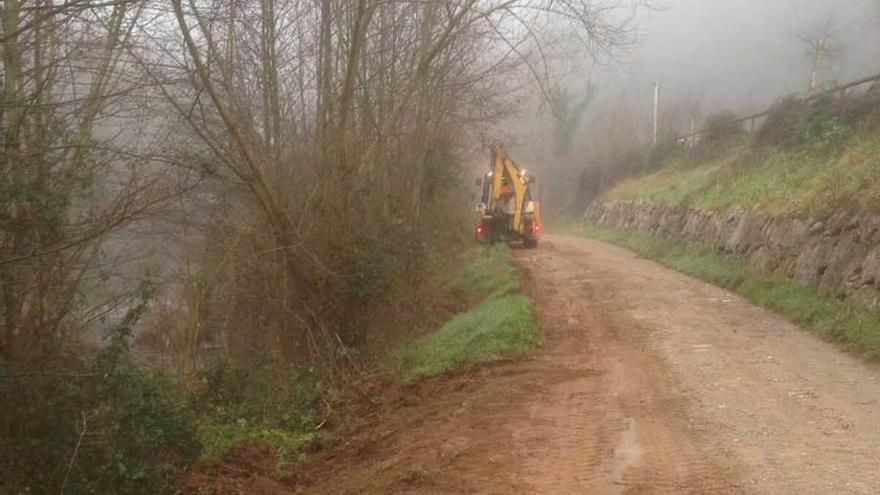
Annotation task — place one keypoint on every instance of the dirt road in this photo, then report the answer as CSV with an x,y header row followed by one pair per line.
x,y
646,381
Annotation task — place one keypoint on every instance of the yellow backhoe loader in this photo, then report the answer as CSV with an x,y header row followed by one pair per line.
x,y
509,209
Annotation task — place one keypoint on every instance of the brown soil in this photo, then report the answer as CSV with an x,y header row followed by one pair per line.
x,y
646,381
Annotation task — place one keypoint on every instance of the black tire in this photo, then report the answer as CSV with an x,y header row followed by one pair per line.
x,y
530,243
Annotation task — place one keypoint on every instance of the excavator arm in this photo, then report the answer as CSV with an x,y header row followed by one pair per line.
x,y
504,168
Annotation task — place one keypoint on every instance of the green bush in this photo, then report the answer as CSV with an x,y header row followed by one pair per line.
x,y
826,122
779,128
139,435
721,126
371,266
104,424
266,400
819,127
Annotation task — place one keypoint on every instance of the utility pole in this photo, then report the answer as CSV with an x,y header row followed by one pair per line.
x,y
692,128
655,115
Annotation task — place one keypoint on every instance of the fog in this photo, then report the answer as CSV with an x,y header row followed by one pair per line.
x,y
708,55
745,53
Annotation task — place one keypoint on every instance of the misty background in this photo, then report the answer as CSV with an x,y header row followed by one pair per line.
x,y
708,55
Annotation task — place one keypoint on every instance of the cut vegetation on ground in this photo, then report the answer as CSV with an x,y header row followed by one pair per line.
x,y
500,326
858,329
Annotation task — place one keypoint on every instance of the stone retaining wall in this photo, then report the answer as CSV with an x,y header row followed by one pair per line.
x,y
840,255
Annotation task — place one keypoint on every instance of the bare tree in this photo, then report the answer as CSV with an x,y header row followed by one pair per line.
x,y
338,125
822,49
73,173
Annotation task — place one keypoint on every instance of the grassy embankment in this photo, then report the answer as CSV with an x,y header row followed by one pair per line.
x,y
500,325
809,180
802,181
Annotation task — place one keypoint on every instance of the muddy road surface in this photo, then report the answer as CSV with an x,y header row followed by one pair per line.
x,y
646,381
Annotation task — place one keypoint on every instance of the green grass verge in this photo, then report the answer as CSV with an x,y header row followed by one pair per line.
x,y
486,272
856,328
500,326
496,328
